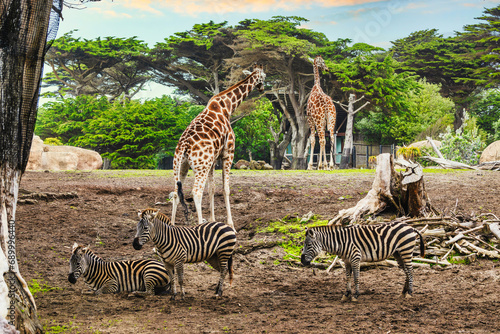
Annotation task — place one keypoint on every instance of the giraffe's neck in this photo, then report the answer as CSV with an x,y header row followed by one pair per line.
x,y
234,95
316,75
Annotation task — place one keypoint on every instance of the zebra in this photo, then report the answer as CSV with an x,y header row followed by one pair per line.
x,y
142,277
212,242
369,243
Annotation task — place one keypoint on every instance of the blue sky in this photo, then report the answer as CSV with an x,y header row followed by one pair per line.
x,y
371,21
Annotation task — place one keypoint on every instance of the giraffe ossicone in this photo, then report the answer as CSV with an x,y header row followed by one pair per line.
x,y
207,138
321,112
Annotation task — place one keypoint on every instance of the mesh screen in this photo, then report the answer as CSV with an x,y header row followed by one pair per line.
x,y
25,28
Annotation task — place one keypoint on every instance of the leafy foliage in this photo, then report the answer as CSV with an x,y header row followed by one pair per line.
x,y
487,111
463,145
252,132
130,133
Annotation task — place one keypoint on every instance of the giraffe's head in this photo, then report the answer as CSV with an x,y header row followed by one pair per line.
x,y
260,76
320,63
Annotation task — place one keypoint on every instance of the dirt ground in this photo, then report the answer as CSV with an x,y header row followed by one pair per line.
x,y
267,296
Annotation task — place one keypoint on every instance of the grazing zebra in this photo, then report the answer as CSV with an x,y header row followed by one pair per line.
x,y
368,243
139,276
176,245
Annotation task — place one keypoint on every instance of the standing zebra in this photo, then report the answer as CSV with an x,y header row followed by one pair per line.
x,y
139,276
176,245
368,243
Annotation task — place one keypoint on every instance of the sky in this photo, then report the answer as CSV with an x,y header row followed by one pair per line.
x,y
375,22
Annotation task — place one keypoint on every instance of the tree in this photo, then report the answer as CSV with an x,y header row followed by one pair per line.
x,y
252,132
487,110
346,161
109,66
193,61
129,133
24,28
426,113
440,60
285,48
485,39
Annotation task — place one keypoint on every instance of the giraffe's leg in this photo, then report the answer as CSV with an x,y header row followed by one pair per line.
x,y
312,139
200,178
181,168
211,192
322,164
331,120
226,168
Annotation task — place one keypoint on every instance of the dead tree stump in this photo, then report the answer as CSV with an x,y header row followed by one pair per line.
x,y
404,192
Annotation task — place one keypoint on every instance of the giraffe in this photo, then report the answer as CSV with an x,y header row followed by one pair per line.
x,y
321,112
208,138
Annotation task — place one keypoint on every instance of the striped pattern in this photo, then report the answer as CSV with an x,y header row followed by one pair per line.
x,y
367,243
176,245
140,276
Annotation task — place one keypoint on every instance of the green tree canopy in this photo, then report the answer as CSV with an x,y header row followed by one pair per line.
x,y
108,66
130,133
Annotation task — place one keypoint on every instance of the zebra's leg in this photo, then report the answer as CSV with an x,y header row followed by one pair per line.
x,y
211,192
348,270
220,285
171,276
355,274
408,270
110,286
179,268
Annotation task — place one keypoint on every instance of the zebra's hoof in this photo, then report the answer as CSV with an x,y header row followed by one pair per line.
x,y
354,299
345,298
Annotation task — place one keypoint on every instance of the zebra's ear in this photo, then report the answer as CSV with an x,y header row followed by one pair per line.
x,y
310,233
75,246
139,213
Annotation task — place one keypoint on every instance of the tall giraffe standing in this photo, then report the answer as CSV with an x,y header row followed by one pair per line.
x,y
321,112
208,138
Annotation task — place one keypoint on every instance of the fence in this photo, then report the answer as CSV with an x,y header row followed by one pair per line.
x,y
361,153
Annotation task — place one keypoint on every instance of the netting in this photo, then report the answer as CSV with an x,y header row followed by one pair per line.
x,y
26,29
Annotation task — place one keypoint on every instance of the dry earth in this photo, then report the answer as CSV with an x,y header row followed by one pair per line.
x,y
267,296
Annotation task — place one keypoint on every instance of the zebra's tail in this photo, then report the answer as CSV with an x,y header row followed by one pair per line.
x,y
230,267
422,244
181,198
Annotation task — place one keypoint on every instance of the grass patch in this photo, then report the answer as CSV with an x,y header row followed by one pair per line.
x,y
292,231
40,286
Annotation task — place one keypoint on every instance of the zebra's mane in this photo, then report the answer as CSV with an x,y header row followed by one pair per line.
x,y
157,214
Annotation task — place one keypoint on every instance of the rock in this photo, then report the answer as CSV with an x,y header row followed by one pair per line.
x,y
241,164
255,165
267,167
491,153
46,157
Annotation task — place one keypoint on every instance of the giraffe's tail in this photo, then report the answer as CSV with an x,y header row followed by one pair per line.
x,y
181,199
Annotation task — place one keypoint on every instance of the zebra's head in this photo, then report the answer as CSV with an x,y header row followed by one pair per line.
x,y
312,247
77,263
144,227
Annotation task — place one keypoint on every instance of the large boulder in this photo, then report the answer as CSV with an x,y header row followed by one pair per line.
x,y
491,153
47,157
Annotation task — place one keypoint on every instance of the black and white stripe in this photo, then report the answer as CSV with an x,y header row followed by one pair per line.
x,y
140,276
367,243
176,245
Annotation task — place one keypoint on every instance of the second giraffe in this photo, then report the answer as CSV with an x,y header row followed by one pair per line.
x,y
210,137
320,112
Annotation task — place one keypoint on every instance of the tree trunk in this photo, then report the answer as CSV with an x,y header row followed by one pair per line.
x,y
404,192
23,33
345,160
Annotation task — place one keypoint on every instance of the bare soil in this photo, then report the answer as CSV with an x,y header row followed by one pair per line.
x,y
267,295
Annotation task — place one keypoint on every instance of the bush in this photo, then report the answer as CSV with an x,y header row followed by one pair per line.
x,y
463,145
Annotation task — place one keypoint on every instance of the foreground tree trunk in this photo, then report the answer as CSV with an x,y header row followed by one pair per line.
x,y
404,192
23,34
